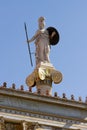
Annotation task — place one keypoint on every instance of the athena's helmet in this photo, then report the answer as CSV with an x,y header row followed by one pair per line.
x,y
41,22
41,19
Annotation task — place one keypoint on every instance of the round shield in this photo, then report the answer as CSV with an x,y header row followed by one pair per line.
x,y
53,35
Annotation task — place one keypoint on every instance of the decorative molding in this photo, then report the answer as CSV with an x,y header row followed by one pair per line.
x,y
47,117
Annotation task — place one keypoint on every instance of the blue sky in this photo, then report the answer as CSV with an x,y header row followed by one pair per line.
x,y
69,56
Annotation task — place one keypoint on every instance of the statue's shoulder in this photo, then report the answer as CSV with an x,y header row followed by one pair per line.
x,y
37,32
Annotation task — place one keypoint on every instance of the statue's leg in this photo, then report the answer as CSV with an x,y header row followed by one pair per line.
x,y
37,55
46,53
41,53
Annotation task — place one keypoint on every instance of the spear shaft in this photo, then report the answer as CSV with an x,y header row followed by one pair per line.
x,y
28,44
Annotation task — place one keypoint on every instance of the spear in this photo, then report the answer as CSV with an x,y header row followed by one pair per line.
x,y
28,44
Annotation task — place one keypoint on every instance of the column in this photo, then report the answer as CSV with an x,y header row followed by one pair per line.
x,y
2,124
28,125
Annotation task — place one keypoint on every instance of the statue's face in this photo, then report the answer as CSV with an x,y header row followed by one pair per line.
x,y
41,24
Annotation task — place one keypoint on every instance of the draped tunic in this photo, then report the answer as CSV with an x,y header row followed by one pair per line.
x,y
42,46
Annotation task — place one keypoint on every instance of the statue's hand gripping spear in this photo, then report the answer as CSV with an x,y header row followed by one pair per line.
x,y
28,44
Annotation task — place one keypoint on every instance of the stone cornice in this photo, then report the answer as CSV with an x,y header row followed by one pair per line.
x,y
42,98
